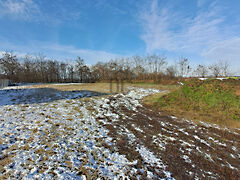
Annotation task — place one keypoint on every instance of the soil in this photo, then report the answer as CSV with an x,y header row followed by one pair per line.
x,y
207,147
155,144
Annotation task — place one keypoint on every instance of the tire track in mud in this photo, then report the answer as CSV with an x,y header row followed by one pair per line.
x,y
112,137
184,149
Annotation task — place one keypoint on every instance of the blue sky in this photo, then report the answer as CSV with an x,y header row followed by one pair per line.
x,y
204,31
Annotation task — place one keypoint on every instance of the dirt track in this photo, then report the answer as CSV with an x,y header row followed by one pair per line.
x,y
110,137
188,151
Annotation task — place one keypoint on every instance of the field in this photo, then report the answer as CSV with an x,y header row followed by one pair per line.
x,y
81,131
214,101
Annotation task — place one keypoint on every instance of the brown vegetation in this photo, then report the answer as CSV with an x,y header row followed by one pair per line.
x,y
151,68
169,147
212,101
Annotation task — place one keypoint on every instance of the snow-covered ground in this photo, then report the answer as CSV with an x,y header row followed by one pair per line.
x,y
42,136
45,133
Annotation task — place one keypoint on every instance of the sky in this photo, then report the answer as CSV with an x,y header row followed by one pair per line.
x,y
204,31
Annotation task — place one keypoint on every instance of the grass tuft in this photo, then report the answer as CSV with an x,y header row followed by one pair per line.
x,y
211,100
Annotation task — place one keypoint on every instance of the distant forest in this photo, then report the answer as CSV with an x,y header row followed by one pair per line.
x,y
39,69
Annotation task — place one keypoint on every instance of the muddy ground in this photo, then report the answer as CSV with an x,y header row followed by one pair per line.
x,y
110,137
188,150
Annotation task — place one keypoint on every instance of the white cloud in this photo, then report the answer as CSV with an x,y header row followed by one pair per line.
x,y
19,9
203,34
227,50
200,3
30,10
168,30
156,27
58,51
91,56
15,7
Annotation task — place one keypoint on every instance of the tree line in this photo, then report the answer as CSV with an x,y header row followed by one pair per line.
x,y
39,69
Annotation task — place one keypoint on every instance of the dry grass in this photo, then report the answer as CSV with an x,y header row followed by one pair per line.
x,y
1,141
238,92
214,118
153,86
98,87
39,151
6,160
188,102
25,147
152,99
104,87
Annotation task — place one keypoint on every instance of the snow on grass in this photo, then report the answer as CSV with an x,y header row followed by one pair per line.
x,y
159,141
57,135
55,142
150,158
186,158
202,140
217,142
46,133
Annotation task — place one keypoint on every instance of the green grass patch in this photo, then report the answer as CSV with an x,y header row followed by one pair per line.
x,y
214,99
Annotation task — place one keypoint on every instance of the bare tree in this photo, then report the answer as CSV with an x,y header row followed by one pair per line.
x,y
42,67
10,65
152,67
80,68
63,71
184,67
53,71
99,71
201,71
225,65
70,70
220,68
28,70
215,69
171,71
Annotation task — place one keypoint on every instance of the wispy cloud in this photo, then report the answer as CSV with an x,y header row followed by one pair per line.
x,y
167,29
156,27
200,3
91,56
32,11
105,5
58,51
203,34
227,50
23,9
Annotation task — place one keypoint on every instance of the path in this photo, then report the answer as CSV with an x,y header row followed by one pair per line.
x,y
112,136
